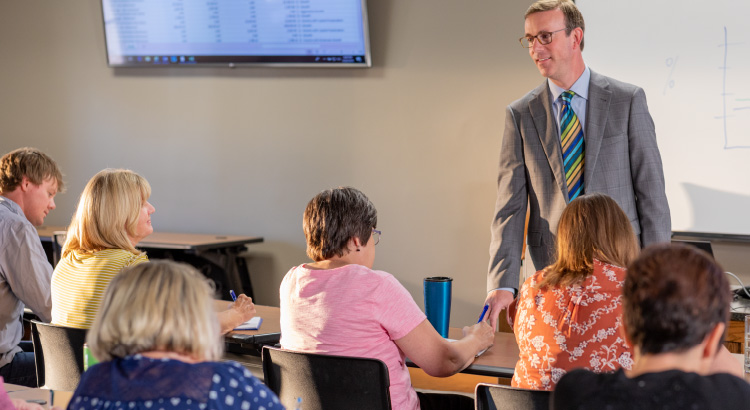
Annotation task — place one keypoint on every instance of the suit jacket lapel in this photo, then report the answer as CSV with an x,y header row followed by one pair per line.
x,y
596,120
546,128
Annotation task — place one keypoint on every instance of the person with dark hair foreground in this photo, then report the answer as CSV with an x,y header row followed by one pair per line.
x,y
676,307
339,305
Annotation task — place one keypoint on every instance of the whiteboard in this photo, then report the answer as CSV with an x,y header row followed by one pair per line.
x,y
693,60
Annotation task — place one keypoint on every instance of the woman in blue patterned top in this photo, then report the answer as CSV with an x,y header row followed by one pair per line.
x,y
157,338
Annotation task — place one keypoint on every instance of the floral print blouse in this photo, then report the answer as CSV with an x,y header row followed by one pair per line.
x,y
562,328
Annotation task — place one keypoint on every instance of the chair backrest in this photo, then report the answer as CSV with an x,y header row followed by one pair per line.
x,y
58,352
314,381
58,240
499,397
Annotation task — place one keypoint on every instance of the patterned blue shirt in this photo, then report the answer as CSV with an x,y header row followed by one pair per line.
x,y
141,383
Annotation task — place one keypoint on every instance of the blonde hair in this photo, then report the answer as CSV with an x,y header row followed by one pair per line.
x,y
591,226
160,305
30,163
107,212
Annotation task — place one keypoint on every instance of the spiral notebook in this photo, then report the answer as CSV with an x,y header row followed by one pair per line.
x,y
252,324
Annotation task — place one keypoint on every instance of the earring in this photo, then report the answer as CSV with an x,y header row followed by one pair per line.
x,y
357,249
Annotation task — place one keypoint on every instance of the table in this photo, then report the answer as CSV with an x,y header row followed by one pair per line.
x,y
205,252
251,342
43,397
498,361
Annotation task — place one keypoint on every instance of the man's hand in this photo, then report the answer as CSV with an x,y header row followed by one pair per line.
x,y
510,313
497,300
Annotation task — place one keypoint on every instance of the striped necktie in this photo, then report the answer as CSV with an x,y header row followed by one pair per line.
x,y
571,139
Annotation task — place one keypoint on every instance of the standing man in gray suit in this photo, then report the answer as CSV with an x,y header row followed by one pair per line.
x,y
578,132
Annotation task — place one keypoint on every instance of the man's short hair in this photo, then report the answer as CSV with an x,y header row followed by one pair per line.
x,y
333,217
30,163
673,295
573,16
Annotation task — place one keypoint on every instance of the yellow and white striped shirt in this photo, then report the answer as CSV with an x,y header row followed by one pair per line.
x,y
79,282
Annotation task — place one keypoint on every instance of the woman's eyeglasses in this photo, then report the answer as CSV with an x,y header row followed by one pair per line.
x,y
376,235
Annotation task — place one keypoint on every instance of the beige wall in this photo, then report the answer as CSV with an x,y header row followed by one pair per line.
x,y
242,151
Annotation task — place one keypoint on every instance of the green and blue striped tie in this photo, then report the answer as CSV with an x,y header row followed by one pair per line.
x,y
571,138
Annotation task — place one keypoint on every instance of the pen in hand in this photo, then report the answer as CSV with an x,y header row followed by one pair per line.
x,y
231,293
484,311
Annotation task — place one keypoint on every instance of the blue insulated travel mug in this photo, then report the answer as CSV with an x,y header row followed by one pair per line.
x,y
437,302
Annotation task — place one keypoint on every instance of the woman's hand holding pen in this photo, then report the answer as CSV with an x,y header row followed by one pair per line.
x,y
244,307
239,312
483,333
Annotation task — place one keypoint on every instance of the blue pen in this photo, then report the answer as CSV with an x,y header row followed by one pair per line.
x,y
481,317
234,297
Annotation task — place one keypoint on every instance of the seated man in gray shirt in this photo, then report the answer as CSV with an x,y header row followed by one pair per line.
x,y
29,180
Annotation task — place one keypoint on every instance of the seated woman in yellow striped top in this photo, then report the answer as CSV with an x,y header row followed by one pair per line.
x,y
112,216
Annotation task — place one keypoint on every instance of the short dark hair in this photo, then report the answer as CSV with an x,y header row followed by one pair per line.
x,y
333,217
573,16
673,295
30,163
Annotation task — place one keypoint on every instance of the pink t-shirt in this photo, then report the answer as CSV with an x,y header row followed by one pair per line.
x,y
351,311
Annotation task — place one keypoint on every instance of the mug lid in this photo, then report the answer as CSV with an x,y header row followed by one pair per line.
x,y
438,279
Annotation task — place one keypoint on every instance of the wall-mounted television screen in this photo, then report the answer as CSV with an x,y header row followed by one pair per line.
x,y
168,33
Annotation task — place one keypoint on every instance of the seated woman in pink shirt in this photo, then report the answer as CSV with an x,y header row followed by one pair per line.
x,y
338,305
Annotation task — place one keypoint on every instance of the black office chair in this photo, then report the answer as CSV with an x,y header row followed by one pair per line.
x,y
326,382
58,352
58,240
499,397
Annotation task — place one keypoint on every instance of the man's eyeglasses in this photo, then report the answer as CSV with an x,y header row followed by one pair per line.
x,y
544,38
376,235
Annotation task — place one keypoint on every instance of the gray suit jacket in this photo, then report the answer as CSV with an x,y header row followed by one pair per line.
x,y
622,160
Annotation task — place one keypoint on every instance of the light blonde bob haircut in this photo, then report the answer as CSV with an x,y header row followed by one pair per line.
x,y
157,306
107,212
591,226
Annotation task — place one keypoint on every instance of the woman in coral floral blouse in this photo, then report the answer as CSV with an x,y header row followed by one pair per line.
x,y
569,315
